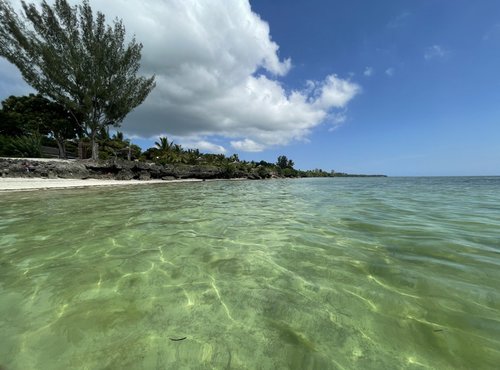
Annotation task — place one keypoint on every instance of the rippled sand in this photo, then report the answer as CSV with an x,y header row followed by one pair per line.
x,y
303,274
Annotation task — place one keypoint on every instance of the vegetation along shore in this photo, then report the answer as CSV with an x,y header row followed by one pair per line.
x,y
120,169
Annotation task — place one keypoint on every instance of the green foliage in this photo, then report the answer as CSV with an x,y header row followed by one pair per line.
x,y
21,116
168,152
289,172
163,145
68,54
11,125
283,162
34,114
316,173
192,156
265,164
21,146
229,170
118,147
263,172
215,159
4,143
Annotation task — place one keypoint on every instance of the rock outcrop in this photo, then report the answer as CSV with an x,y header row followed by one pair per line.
x,y
20,167
113,169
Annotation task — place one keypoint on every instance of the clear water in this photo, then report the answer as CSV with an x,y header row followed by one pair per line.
x,y
376,273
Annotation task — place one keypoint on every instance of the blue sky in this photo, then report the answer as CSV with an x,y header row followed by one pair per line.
x,y
394,87
439,111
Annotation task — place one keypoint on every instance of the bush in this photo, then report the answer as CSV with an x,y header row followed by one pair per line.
x,y
22,146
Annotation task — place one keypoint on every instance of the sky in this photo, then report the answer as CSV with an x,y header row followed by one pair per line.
x,y
395,87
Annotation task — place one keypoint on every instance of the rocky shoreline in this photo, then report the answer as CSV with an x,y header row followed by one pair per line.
x,y
116,169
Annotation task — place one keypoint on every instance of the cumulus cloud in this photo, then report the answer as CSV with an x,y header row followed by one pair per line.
x,y
368,71
202,145
247,145
333,92
435,52
219,74
390,71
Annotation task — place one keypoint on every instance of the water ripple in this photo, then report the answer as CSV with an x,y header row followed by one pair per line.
x,y
313,273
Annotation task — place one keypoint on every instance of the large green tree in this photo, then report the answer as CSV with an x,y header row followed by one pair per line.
x,y
73,57
36,115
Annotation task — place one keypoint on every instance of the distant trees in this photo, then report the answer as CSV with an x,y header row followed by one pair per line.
x,y
283,162
72,57
168,151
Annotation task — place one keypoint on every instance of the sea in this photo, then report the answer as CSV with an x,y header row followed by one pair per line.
x,y
324,273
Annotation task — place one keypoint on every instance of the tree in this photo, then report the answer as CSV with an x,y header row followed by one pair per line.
x,y
18,117
78,61
34,114
283,162
118,147
163,145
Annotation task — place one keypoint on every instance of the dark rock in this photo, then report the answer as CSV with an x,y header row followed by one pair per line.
x,y
144,175
254,175
166,171
66,169
124,175
198,172
120,170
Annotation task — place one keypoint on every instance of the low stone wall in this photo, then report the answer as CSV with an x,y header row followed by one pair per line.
x,y
109,169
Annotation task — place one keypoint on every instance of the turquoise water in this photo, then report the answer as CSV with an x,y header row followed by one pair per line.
x,y
371,273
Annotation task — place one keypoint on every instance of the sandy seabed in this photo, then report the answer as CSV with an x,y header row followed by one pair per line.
x,y
23,184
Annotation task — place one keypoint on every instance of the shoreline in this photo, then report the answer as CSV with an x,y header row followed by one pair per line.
x,y
121,170
24,174
15,184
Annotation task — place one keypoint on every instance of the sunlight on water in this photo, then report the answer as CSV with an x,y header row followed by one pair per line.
x,y
305,274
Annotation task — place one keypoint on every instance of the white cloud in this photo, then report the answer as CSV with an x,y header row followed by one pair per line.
x,y
202,145
218,75
336,120
390,71
368,71
435,52
247,145
334,92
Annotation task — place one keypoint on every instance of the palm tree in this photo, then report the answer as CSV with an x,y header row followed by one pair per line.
x,y
169,151
163,145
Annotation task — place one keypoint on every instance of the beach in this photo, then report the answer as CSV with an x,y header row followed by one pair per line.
x,y
27,184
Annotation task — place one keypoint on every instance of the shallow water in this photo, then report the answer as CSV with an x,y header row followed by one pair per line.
x,y
370,273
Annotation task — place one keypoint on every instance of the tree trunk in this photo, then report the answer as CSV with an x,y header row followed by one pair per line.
x,y
80,149
95,150
62,148
95,146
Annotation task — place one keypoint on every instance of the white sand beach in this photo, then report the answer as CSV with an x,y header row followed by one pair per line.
x,y
23,184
